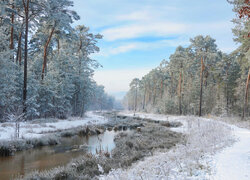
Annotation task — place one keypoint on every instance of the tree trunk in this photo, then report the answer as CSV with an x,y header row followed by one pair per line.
x,y
227,93
45,52
58,45
179,92
144,98
246,96
18,54
26,7
80,46
79,56
135,100
201,85
82,109
12,29
172,82
162,90
154,96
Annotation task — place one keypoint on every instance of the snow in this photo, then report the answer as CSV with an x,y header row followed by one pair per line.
x,y
234,162
36,130
161,117
209,154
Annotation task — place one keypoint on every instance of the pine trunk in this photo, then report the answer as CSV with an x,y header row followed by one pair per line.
x,y
227,93
162,90
179,92
144,97
246,96
171,90
18,54
58,46
136,99
201,86
45,52
12,29
26,7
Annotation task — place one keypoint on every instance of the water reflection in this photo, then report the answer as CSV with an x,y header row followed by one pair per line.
x,y
48,157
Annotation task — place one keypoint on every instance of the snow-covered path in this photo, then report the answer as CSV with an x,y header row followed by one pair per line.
x,y
233,163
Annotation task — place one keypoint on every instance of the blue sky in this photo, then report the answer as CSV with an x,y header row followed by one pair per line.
x,y
138,34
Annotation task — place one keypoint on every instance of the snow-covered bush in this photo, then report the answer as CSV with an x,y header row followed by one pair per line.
x,y
86,167
8,148
45,141
17,119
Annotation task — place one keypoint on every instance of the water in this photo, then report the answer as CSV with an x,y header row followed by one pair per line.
x,y
46,158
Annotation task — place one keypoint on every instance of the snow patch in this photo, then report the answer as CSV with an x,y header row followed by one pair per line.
x,y
36,130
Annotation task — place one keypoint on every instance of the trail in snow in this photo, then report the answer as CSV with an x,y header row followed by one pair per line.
x,y
233,163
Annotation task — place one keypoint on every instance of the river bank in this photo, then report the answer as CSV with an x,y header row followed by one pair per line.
x,y
141,138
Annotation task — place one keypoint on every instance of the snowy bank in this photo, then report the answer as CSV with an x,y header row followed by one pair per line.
x,y
33,129
161,117
193,160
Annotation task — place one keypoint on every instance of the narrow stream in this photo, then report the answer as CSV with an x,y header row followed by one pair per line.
x,y
46,158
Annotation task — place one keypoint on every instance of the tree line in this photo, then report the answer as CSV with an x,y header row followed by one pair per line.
x,y
45,64
199,79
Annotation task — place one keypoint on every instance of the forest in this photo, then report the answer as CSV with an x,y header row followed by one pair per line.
x,y
199,79
45,64
61,78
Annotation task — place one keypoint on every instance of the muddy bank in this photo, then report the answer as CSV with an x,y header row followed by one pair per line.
x,y
130,147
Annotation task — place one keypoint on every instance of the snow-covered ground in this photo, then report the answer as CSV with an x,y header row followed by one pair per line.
x,y
234,162
35,130
161,117
208,154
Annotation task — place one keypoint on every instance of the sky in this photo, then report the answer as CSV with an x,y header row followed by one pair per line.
x,y
139,34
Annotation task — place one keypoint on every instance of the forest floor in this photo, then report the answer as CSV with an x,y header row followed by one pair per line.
x,y
214,150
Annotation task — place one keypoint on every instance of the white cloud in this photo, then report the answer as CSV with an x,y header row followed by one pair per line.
x,y
118,80
141,29
154,22
143,46
221,31
99,13
123,20
165,29
148,13
117,50
141,15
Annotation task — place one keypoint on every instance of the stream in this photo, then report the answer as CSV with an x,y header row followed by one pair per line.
x,y
46,158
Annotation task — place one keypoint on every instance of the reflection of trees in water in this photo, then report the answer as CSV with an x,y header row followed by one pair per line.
x,y
49,157
22,163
